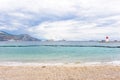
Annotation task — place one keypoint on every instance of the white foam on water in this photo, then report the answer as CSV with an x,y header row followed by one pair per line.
x,y
114,63
28,64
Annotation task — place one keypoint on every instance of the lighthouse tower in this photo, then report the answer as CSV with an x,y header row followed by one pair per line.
x,y
107,39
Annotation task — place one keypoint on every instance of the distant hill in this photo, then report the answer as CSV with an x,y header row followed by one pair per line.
x,y
4,36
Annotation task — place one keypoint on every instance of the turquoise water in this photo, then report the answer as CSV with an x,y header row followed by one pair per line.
x,y
50,52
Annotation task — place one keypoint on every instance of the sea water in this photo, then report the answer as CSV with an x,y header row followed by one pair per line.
x,y
59,52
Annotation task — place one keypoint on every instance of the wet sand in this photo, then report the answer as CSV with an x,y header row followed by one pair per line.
x,y
61,72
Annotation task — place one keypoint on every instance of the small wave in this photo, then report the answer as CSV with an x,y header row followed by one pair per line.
x,y
83,46
114,63
61,46
20,46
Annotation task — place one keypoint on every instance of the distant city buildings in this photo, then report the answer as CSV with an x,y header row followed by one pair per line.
x,y
107,39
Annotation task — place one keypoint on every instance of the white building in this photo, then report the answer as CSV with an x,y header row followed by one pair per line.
x,y
107,39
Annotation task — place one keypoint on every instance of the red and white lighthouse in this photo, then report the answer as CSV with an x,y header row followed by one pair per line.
x,y
107,39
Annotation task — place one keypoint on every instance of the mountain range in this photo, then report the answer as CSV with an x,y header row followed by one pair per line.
x,y
4,36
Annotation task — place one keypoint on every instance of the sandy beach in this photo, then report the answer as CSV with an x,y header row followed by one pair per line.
x,y
60,72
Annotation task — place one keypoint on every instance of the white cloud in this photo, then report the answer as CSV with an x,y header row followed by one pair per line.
x,y
39,6
92,19
8,28
73,30
98,7
61,7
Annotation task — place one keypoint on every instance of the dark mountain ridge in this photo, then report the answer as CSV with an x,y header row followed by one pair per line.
x,y
4,36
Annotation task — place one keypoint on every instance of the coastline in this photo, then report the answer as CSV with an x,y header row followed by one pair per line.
x,y
71,71
8,63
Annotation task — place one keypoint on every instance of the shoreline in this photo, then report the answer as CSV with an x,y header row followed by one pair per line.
x,y
113,63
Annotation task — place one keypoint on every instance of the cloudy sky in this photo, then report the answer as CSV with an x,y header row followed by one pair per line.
x,y
62,19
